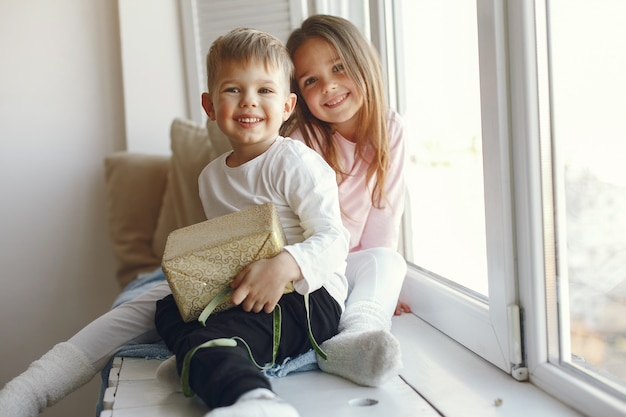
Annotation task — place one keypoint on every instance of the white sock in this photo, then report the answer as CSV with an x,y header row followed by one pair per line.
x,y
60,371
364,351
167,374
259,402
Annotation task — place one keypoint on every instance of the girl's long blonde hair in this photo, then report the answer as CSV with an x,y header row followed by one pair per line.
x,y
362,65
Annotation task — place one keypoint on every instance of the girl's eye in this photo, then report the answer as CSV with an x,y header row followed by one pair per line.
x,y
309,81
265,91
338,67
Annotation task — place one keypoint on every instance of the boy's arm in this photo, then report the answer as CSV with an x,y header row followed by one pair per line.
x,y
313,194
309,187
260,285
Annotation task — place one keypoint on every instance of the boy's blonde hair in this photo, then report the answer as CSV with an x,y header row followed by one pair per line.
x,y
245,45
362,65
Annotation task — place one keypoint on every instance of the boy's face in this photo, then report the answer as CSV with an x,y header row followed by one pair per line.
x,y
249,104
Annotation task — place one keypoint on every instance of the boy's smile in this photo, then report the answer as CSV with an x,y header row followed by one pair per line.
x,y
249,102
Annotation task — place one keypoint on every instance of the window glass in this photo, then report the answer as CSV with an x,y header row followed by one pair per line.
x,y
442,113
588,86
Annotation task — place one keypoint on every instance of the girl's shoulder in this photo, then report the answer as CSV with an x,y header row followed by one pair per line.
x,y
294,151
296,134
394,118
395,126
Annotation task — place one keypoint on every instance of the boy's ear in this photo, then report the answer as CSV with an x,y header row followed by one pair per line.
x,y
290,105
207,105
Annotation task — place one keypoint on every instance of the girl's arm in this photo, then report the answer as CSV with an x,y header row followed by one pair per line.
x,y
382,227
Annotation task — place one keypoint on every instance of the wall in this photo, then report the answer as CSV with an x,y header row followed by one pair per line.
x,y
61,112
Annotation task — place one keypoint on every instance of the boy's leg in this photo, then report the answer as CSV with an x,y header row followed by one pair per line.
x,y
365,351
218,375
225,376
69,365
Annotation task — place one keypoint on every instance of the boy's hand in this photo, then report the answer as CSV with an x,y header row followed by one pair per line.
x,y
260,285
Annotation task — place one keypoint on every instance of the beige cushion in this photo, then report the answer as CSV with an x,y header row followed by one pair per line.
x,y
135,186
193,147
151,195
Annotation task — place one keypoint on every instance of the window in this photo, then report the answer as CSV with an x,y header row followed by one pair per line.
x,y
445,167
584,181
515,123
452,67
587,107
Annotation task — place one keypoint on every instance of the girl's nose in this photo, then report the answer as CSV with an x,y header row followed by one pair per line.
x,y
328,86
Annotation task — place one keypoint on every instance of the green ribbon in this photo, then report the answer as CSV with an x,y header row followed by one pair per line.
x,y
232,342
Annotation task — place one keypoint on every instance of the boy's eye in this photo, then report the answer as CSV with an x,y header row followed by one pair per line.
x,y
309,81
231,90
265,90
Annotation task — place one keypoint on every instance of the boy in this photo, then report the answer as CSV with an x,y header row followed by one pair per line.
x,y
249,76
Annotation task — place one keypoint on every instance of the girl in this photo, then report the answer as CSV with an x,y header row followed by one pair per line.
x,y
341,113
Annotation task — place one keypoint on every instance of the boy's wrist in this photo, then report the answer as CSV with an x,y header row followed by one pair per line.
x,y
289,266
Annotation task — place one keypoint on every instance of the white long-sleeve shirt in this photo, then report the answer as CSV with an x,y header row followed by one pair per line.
x,y
369,226
304,190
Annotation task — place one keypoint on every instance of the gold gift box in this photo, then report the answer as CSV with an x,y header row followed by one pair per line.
x,y
202,259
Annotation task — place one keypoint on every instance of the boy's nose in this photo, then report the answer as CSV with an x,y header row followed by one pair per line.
x,y
248,100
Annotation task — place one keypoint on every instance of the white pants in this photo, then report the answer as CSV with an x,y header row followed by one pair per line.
x,y
375,274
129,323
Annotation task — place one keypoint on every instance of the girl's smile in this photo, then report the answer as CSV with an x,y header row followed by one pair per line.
x,y
337,101
330,94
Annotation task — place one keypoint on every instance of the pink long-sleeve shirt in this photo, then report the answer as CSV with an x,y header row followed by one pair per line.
x,y
369,226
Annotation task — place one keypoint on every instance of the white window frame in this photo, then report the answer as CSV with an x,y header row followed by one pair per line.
x,y
490,328
537,267
520,238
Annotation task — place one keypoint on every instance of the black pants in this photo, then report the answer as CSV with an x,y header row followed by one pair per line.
x,y
220,375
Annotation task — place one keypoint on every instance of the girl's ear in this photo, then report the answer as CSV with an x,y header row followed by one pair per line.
x,y
290,105
207,104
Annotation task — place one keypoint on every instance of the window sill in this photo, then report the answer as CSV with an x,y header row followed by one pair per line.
x,y
440,378
457,382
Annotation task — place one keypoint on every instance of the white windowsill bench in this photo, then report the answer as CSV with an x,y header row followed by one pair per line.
x,y
440,378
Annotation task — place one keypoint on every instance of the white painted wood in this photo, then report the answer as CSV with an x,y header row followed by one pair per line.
x,y
317,394
450,379
459,383
312,393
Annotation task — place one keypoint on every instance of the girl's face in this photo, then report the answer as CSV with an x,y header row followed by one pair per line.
x,y
326,88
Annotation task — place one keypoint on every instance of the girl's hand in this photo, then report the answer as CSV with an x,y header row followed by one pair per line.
x,y
402,308
259,286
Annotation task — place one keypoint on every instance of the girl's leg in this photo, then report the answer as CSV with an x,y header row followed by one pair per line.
x,y
365,351
224,377
47,380
375,275
129,323
71,364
